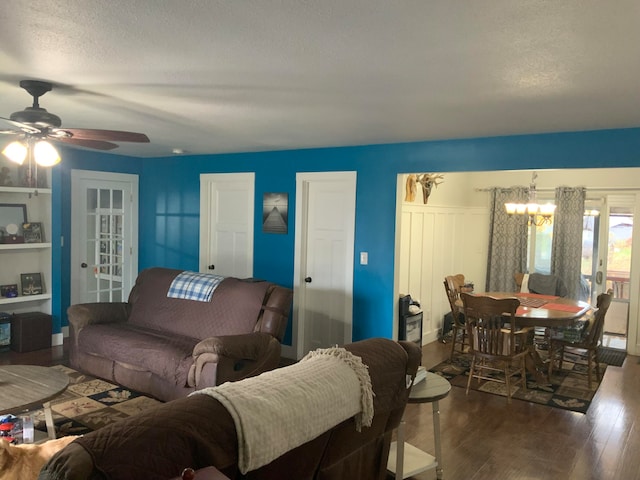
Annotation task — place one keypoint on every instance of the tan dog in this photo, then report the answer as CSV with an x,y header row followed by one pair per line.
x,y
25,461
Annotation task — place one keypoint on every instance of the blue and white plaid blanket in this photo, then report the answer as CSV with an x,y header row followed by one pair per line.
x,y
194,286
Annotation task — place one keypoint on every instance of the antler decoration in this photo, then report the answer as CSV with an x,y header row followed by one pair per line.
x,y
428,181
411,189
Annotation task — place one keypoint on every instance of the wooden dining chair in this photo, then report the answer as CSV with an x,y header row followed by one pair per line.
x,y
518,277
589,341
452,286
496,343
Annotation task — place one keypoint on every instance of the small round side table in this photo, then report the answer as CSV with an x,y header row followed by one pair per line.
x,y
405,460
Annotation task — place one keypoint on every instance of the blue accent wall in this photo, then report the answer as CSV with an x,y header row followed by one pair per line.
x,y
61,219
170,198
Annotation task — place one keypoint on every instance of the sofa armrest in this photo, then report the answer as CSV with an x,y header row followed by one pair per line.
x,y
237,356
84,314
274,314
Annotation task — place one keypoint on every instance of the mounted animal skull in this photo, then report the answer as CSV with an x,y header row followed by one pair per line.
x,y
428,181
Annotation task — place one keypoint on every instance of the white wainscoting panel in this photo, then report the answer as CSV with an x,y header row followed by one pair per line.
x,y
437,241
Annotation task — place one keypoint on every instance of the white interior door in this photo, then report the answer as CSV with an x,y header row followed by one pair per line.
x,y
104,243
323,284
226,224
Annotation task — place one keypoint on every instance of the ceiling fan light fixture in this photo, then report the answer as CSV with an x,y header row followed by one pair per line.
x,y
16,152
45,154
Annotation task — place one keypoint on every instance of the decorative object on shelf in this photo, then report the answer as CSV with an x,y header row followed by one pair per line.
x,y
5,331
9,291
5,177
538,214
28,176
12,215
32,232
428,181
12,234
31,284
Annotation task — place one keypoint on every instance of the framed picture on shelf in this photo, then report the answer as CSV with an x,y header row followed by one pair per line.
x,y
32,232
31,284
9,291
12,216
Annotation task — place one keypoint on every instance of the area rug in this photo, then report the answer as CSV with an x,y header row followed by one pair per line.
x,y
567,389
90,403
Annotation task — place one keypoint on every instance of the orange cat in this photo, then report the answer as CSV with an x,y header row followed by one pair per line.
x,y
25,461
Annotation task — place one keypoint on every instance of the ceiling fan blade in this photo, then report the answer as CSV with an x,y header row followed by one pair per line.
x,y
106,135
23,127
81,142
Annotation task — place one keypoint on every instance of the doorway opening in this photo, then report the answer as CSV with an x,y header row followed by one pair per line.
x,y
606,261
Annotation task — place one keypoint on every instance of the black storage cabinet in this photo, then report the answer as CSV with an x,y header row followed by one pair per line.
x,y
30,331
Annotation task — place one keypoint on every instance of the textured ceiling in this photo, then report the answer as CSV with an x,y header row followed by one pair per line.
x,y
214,76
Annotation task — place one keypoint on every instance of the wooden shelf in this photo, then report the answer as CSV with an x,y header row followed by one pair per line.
x,y
415,460
25,298
33,190
24,246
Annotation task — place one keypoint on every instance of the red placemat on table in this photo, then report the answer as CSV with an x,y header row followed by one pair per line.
x,y
536,295
521,311
562,307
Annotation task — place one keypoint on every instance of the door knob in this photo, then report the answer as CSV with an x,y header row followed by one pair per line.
x,y
211,267
308,279
83,265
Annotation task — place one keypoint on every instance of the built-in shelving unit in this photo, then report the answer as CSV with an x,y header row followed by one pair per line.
x,y
23,258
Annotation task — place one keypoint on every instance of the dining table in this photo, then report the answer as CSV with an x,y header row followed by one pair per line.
x,y
544,311
547,311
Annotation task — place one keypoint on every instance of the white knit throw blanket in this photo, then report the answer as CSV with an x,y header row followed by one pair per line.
x,y
287,407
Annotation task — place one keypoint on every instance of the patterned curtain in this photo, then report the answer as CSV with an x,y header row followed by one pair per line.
x,y
566,249
508,236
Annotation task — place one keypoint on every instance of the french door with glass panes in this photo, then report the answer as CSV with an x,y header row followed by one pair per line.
x,y
105,220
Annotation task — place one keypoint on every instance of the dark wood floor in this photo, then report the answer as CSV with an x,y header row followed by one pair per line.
x,y
483,438
50,356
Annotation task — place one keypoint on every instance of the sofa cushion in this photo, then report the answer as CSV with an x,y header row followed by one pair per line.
x,y
233,309
168,356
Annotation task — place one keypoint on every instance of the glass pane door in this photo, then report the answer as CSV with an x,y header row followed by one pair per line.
x,y
618,272
104,245
606,260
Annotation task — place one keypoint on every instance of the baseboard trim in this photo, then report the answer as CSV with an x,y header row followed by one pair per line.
x,y
57,339
287,351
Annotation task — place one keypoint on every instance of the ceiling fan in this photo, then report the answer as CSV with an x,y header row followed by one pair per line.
x,y
35,124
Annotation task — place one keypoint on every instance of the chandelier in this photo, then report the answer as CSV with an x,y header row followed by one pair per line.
x,y
539,214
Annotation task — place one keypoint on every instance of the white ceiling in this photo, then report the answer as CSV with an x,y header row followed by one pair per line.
x,y
210,76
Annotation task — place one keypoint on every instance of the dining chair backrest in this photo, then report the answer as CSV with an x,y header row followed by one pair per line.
x,y
452,286
596,325
545,284
491,324
519,278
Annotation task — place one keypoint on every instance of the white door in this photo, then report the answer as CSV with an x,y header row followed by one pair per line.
x,y
612,230
104,242
323,283
226,224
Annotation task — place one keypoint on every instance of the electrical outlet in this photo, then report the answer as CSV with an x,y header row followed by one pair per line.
x,y
364,258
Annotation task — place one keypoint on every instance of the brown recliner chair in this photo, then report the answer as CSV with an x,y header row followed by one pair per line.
x,y
198,431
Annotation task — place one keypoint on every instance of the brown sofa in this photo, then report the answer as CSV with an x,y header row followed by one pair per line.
x,y
198,431
169,347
